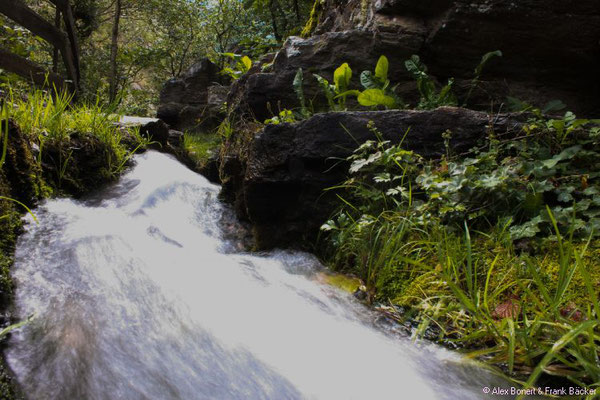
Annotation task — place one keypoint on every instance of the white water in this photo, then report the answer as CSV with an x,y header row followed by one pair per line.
x,y
137,295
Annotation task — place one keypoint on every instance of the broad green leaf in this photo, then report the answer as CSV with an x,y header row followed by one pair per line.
x,y
376,97
381,69
368,81
326,88
348,93
554,105
484,60
247,63
341,77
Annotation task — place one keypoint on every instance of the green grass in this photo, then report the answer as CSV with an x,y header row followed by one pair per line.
x,y
526,304
201,146
454,282
53,118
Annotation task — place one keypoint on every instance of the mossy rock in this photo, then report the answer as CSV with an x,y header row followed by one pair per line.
x,y
21,171
344,282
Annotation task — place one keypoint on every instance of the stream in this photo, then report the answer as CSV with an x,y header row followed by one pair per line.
x,y
137,293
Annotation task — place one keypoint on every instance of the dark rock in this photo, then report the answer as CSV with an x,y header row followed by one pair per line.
x,y
175,138
551,51
195,101
21,169
77,166
278,182
210,169
156,131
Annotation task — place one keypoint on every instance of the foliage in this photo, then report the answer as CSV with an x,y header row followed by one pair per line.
x,y
242,64
502,180
479,70
285,116
51,118
298,85
200,147
439,236
430,98
377,91
339,89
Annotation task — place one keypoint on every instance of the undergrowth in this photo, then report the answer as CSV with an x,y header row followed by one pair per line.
x,y
495,251
201,146
52,119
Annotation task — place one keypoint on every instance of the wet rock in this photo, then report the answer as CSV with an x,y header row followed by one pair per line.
x,y
77,166
21,169
156,131
277,182
194,102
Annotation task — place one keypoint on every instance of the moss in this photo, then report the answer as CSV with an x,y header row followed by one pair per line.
x,y
200,147
8,389
10,227
313,19
344,282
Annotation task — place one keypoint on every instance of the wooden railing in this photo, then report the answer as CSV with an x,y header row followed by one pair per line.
x,y
64,41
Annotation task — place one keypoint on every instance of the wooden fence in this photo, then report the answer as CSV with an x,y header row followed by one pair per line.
x,y
65,42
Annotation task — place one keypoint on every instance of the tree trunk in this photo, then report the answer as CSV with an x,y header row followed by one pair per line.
x,y
55,49
274,20
297,11
114,49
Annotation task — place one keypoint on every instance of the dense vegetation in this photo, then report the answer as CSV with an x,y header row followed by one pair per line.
x,y
129,48
495,251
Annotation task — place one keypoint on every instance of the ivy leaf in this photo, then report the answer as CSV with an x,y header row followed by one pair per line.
x,y
383,177
566,154
527,230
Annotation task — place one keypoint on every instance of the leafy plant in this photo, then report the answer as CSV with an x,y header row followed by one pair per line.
x,y
377,91
285,116
241,65
479,70
338,91
298,85
4,133
430,97
522,312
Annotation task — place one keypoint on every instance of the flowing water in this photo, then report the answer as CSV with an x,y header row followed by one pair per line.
x,y
137,294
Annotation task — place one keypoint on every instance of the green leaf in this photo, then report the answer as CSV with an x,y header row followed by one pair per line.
x,y
355,93
566,154
341,77
376,97
326,88
558,345
298,85
554,105
381,69
368,81
484,60
247,63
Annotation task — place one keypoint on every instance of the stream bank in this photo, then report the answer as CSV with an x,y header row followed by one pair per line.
x,y
36,169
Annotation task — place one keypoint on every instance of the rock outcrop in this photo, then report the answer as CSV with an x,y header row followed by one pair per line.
x,y
551,50
278,181
195,101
